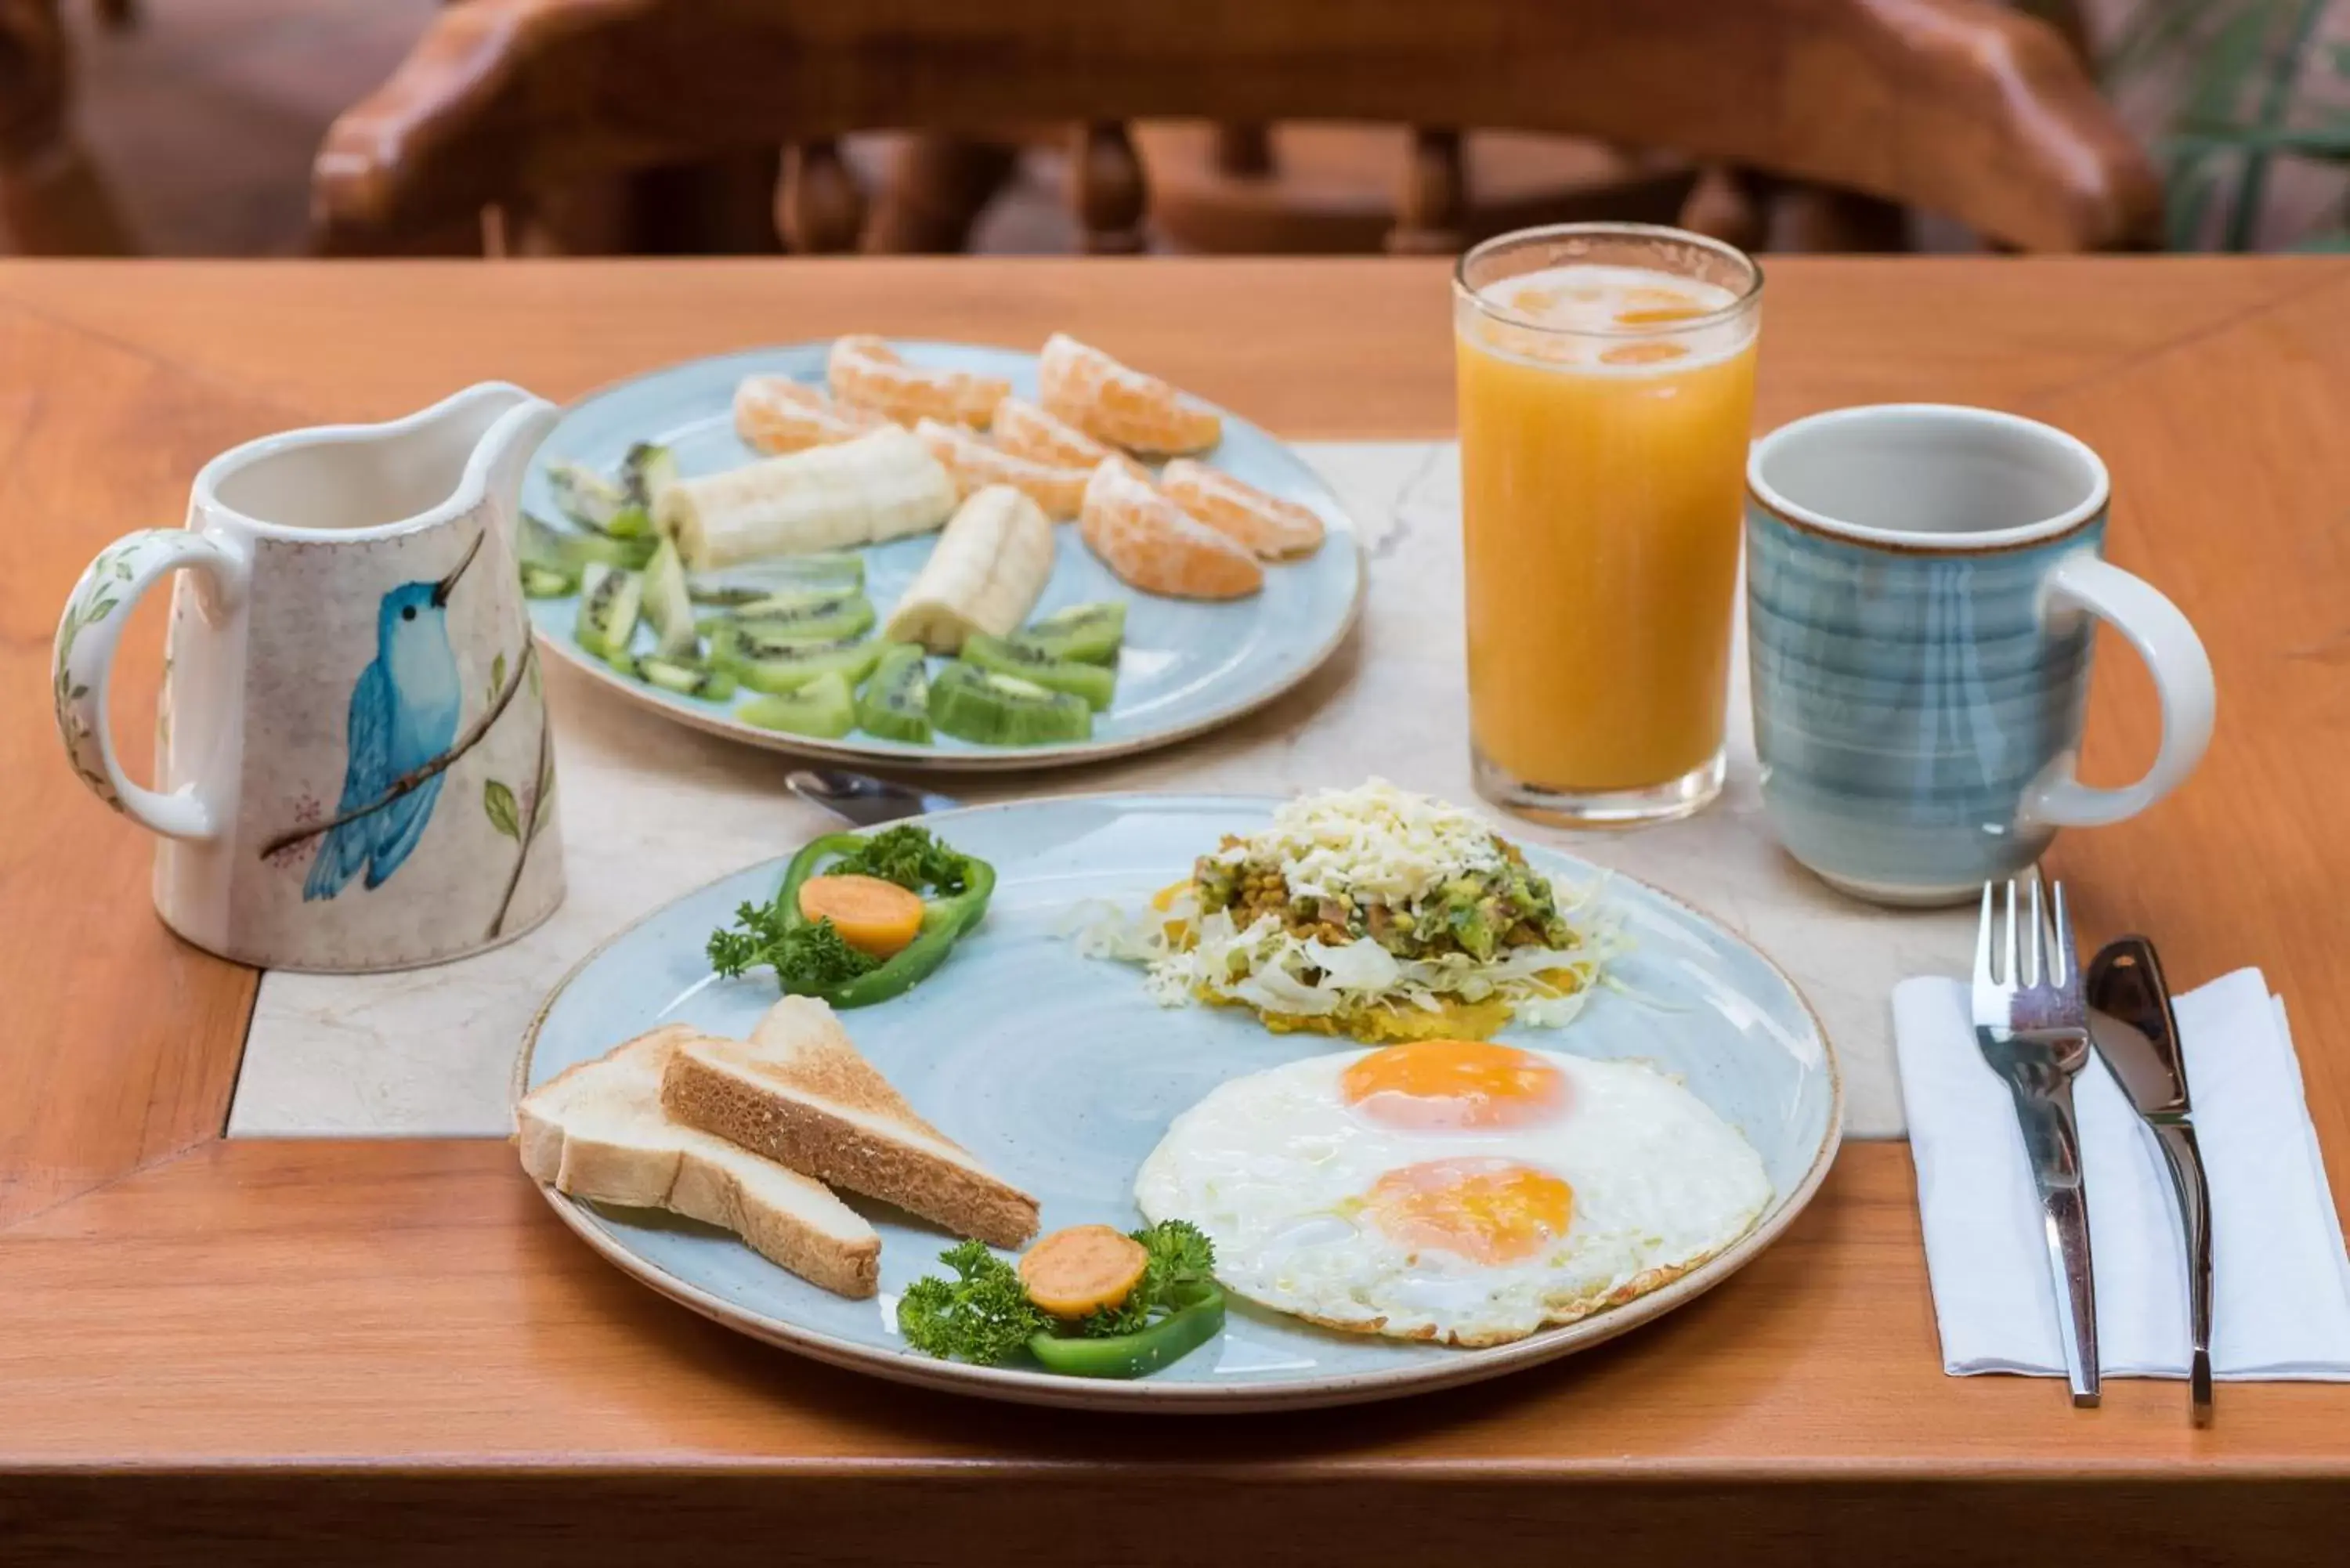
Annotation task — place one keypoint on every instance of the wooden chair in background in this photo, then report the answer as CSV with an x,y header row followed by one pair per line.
x,y
1956,107
53,201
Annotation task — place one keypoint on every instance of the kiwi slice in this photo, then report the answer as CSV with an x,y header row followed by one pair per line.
x,y
1090,634
822,707
804,617
686,677
752,639
647,471
542,543
609,599
895,703
1093,682
788,666
586,496
1003,709
667,608
541,582
827,572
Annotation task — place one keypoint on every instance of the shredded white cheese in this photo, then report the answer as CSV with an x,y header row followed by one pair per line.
x,y
1375,841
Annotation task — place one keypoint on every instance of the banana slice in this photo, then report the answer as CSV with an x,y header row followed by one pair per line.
x,y
866,372
775,414
976,463
983,574
882,486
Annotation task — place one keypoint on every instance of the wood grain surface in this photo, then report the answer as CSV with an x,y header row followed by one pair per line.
x,y
340,1331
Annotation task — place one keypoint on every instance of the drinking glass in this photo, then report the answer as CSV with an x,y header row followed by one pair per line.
x,y
1607,386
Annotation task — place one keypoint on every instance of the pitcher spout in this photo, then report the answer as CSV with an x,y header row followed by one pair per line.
x,y
510,423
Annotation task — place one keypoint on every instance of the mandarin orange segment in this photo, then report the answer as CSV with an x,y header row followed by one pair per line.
x,y
1155,546
1022,428
1267,526
774,414
976,464
866,372
1661,316
1111,402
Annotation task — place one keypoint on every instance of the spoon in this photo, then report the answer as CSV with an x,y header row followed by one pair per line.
x,y
860,799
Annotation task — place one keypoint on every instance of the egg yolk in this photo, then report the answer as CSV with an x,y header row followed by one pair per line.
x,y
1490,1210
1450,1085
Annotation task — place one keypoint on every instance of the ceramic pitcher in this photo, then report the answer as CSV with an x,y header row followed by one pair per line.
x,y
352,763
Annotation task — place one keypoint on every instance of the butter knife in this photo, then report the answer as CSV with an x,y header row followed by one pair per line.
x,y
2135,1032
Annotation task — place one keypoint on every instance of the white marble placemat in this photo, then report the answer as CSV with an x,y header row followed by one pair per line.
x,y
651,810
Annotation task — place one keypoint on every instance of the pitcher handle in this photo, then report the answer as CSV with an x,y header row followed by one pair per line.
x,y
2174,656
81,668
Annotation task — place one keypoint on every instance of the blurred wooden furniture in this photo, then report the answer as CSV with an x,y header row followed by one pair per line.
x,y
1335,190
1959,107
220,1349
53,202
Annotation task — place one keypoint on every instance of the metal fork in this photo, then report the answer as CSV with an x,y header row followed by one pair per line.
x,y
2032,1021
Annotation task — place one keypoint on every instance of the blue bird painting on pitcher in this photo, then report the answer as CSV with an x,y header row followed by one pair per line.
x,y
404,717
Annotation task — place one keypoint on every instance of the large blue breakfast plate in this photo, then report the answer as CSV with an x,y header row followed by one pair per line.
x,y
1058,1073
1187,667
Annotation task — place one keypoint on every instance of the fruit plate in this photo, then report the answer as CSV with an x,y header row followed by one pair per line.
x,y
1187,666
1061,1075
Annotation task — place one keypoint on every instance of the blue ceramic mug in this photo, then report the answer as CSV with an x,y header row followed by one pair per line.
x,y
1923,584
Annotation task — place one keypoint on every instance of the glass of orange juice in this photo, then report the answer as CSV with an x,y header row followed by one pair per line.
x,y
1607,381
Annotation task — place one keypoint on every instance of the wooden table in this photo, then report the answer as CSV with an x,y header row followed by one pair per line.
x,y
396,1342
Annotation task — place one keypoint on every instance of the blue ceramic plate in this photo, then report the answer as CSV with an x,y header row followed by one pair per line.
x,y
1187,667
1058,1073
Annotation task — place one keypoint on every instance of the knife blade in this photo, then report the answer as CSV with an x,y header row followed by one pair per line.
x,y
2137,1034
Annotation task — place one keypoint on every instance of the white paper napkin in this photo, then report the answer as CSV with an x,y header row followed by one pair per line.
x,y
2281,1307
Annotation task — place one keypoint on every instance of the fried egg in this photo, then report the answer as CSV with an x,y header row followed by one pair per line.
x,y
1454,1190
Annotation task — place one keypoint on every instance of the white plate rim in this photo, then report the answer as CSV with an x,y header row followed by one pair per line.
x,y
1045,1388
928,760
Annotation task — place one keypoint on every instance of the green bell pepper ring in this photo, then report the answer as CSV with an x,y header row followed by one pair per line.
x,y
1198,1319
945,921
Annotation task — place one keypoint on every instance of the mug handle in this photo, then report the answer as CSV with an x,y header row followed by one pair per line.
x,y
2174,656
81,667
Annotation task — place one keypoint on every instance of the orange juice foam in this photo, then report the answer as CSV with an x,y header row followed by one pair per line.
x,y
1603,424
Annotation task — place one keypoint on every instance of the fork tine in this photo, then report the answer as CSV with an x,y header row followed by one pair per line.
x,y
1982,942
2066,958
2008,975
2038,943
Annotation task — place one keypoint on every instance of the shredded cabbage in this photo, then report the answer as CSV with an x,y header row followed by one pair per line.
x,y
1190,957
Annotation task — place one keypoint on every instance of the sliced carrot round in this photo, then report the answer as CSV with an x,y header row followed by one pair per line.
x,y
871,916
1081,1269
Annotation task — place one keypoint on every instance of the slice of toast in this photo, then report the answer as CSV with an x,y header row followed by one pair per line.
x,y
797,1091
596,1131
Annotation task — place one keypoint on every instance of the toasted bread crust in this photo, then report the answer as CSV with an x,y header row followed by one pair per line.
x,y
801,1046
606,1165
783,1115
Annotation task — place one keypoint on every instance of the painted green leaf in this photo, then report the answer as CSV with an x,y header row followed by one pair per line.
x,y
499,802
